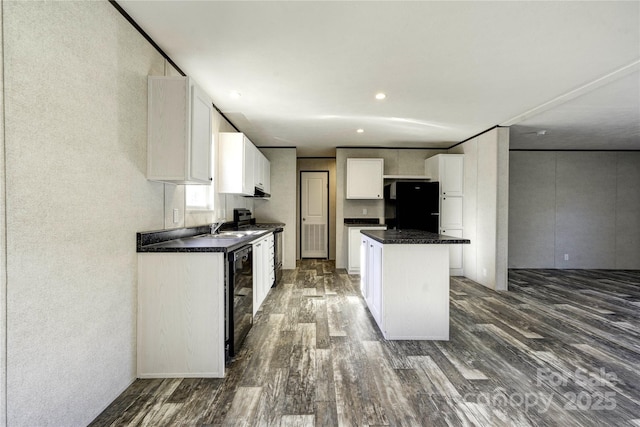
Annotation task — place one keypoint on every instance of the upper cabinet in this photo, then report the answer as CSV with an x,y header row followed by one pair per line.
x,y
448,169
179,131
262,172
242,167
364,178
235,164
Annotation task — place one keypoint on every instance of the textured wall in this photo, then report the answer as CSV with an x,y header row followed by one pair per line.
x,y
75,122
583,204
281,207
3,254
486,207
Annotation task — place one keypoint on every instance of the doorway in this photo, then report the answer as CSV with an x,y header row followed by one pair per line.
x,y
314,214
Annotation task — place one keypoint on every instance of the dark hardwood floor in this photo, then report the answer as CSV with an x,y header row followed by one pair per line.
x,y
561,348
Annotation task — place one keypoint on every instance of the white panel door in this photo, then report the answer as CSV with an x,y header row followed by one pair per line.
x,y
314,212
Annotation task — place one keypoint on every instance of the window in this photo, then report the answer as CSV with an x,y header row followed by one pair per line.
x,y
201,197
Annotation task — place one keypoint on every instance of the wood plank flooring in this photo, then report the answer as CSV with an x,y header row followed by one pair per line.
x,y
562,347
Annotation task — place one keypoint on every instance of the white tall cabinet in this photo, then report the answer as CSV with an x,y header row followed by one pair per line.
x,y
179,131
448,170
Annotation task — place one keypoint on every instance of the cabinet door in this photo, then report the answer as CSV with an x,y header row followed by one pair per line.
x,y
450,212
179,131
364,276
249,155
269,266
258,275
364,178
376,281
455,251
266,175
200,155
451,175
353,260
258,173
370,273
234,160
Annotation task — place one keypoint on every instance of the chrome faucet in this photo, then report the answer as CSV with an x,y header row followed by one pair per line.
x,y
215,226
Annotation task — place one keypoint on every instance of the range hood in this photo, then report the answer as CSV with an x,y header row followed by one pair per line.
x,y
259,194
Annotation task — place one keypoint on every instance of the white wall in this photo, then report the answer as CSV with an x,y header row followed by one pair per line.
x,y
281,207
75,139
3,253
583,204
486,207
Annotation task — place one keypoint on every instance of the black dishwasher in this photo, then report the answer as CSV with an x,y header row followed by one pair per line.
x,y
239,299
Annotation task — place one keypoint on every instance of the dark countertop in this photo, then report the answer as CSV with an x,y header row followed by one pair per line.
x,y
194,239
412,237
361,221
364,225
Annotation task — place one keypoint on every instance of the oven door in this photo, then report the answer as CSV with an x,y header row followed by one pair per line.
x,y
240,298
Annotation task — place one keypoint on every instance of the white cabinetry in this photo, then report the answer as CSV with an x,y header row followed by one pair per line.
x,y
263,270
406,287
235,164
353,259
262,172
181,315
242,167
179,131
448,170
364,178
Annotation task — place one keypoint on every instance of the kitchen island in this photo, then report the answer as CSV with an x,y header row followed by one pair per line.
x,y
404,279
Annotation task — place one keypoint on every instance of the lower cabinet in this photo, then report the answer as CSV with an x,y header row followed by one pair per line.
x,y
406,288
353,256
181,315
455,252
263,270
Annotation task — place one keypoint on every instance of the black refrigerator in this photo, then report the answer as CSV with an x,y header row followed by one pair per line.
x,y
412,205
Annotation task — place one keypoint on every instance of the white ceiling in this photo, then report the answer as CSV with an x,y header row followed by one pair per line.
x,y
308,70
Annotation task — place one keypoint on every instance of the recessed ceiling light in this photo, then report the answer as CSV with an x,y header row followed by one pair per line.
x,y
235,94
380,95
360,130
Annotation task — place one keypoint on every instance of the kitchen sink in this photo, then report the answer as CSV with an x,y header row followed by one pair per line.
x,y
231,234
222,236
240,233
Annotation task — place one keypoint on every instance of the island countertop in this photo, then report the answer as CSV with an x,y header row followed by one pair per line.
x,y
413,237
